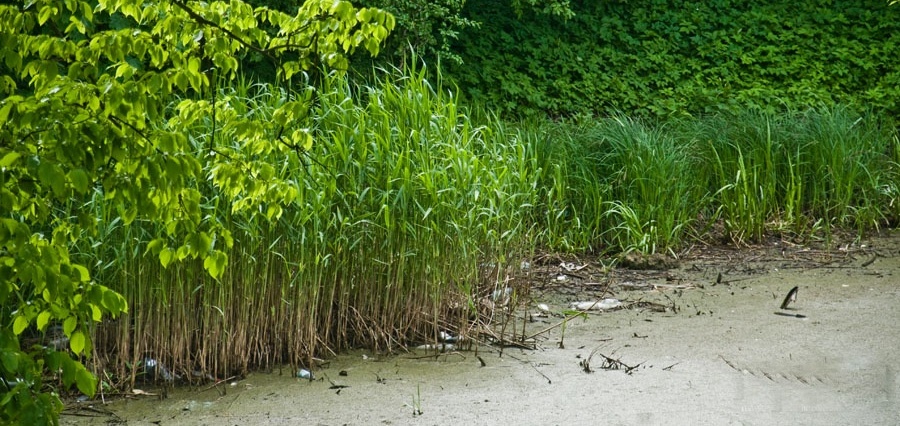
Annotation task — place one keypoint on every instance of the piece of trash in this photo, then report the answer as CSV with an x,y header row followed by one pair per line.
x,y
141,392
304,374
365,357
59,344
561,277
543,307
498,293
525,265
202,375
442,347
157,370
601,305
571,267
446,337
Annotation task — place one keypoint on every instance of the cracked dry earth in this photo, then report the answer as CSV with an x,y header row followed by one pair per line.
x,y
717,355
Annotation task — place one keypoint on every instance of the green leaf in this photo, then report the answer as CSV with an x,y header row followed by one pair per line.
x,y
69,325
46,13
193,66
96,313
9,158
10,360
79,180
113,301
64,363
85,381
303,139
51,175
76,342
129,214
10,224
83,274
215,263
42,320
155,246
340,7
184,251
166,256
4,114
19,325
273,211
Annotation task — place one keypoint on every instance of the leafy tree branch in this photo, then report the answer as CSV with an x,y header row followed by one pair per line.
x,y
111,113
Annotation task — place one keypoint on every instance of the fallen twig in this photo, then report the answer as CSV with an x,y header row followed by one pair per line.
x,y
437,355
549,382
669,368
217,383
609,363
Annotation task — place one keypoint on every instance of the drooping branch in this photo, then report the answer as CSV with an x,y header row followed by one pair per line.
x,y
200,19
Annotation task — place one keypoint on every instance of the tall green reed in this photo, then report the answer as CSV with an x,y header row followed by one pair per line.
x,y
748,173
654,192
570,189
398,206
799,172
846,156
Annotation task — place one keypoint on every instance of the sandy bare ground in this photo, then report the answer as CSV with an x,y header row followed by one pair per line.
x,y
720,355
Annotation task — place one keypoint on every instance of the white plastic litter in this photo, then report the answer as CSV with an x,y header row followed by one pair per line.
x,y
446,337
157,371
602,305
499,294
441,347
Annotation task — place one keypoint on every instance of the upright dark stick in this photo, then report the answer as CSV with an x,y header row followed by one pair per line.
x,y
791,297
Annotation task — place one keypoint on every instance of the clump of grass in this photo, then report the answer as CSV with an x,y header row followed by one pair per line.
x,y
846,158
396,206
889,186
797,172
619,184
571,190
653,188
748,173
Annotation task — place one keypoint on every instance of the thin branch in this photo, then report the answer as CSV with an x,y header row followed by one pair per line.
x,y
200,19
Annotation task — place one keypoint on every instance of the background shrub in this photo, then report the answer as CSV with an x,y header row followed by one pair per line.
x,y
675,57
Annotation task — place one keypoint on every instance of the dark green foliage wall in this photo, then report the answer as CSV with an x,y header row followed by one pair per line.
x,y
673,57
425,28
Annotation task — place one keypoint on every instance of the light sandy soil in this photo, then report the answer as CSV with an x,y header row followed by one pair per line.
x,y
721,357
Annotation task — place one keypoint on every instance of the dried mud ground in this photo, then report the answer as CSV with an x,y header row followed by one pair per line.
x,y
719,355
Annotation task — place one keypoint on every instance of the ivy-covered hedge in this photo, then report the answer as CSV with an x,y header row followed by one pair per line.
x,y
665,57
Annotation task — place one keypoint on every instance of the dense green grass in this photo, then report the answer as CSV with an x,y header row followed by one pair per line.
x,y
649,186
409,210
400,204
801,173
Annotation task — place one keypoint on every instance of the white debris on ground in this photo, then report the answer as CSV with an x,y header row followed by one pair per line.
x,y
600,305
